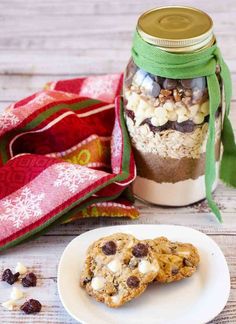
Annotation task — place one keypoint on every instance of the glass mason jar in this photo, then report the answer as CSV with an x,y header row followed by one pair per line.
x,y
167,118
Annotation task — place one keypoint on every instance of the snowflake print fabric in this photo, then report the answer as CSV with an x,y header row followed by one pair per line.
x,y
100,88
73,177
7,120
25,206
51,170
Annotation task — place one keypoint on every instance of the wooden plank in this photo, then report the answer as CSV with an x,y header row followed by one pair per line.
x,y
53,40
94,7
83,49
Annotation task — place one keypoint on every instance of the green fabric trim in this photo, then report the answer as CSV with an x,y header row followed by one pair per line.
x,y
191,65
52,110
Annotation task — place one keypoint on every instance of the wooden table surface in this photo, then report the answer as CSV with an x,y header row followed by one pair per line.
x,y
43,40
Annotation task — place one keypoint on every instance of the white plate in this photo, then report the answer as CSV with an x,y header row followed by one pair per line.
x,y
194,300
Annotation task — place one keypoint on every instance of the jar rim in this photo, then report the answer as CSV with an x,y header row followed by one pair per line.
x,y
176,28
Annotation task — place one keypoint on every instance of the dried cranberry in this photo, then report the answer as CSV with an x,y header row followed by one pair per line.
x,y
29,280
9,277
140,250
132,282
109,248
130,113
187,126
31,306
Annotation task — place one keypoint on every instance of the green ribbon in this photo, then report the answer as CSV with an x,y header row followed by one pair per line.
x,y
192,65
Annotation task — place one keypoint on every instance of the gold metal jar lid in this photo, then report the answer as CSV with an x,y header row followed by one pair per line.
x,y
176,28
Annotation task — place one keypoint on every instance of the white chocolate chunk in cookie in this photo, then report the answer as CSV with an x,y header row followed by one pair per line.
x,y
98,283
114,265
9,305
16,293
184,253
116,299
146,267
20,268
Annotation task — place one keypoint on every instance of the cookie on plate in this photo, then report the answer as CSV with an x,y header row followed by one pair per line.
x,y
118,268
176,260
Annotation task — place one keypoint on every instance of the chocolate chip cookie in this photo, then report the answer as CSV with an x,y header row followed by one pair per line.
x,y
176,260
118,268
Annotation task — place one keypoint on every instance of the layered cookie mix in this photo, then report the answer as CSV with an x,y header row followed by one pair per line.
x,y
167,121
118,268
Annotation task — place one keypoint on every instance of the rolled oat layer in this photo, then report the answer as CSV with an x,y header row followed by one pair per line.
x,y
171,143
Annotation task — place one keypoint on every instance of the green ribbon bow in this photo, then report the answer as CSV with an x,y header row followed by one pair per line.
x,y
192,65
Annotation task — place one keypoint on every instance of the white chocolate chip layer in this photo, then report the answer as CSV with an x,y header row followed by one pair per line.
x,y
114,265
193,110
154,121
182,118
169,105
20,268
205,108
98,283
9,305
172,116
16,294
198,118
133,101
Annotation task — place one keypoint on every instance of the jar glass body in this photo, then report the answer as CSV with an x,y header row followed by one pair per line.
x,y
168,121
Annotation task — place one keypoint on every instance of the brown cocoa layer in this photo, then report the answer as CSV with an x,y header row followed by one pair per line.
x,y
154,167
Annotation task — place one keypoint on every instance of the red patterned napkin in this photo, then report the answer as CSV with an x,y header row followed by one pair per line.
x,y
64,154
